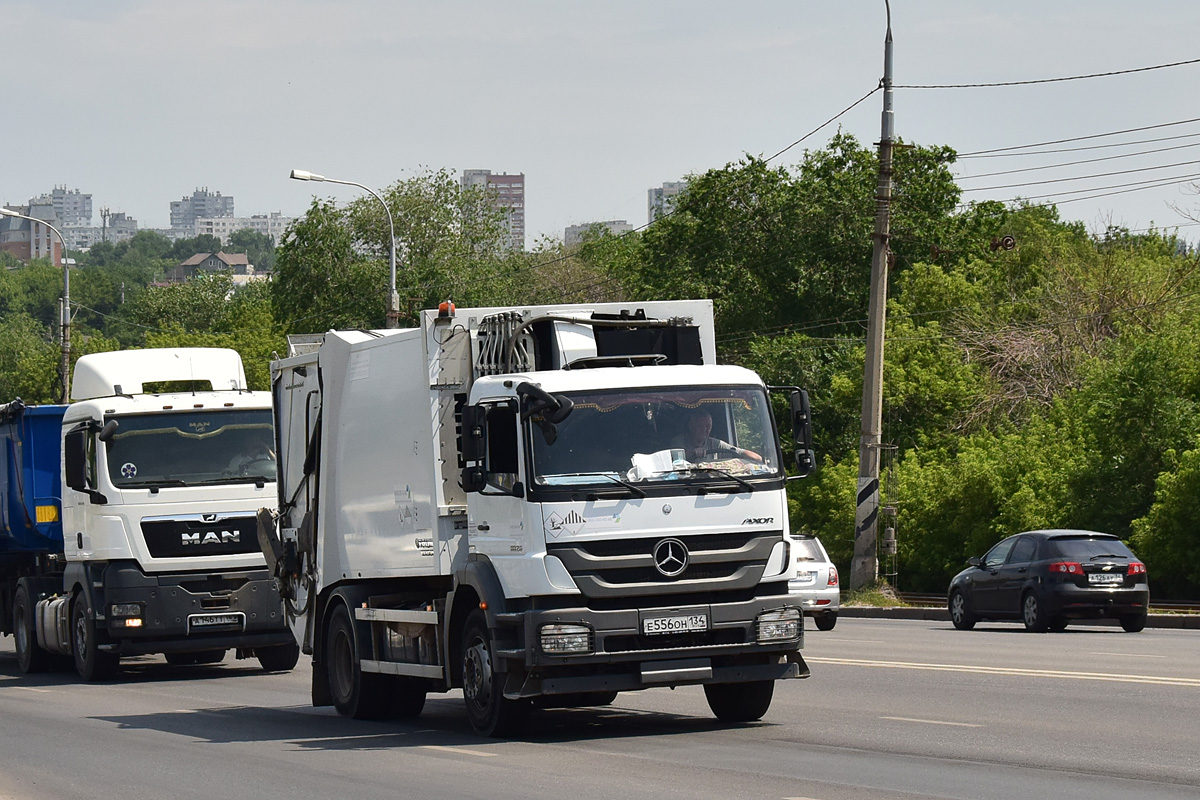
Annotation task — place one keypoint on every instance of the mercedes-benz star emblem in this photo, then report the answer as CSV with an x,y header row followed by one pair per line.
x,y
670,557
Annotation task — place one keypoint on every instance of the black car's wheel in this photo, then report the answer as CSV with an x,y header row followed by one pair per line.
x,y
92,663
355,694
739,702
960,611
280,658
1033,613
490,712
1132,623
1059,624
826,621
30,657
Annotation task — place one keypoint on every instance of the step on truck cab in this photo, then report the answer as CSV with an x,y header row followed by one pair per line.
x,y
128,518
537,505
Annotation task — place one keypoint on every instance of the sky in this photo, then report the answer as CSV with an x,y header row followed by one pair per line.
x,y
140,102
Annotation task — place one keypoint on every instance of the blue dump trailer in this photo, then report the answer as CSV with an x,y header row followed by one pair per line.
x,y
31,540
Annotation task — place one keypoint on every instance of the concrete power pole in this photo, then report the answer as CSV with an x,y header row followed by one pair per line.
x,y
864,568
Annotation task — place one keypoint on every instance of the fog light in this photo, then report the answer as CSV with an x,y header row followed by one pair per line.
x,y
559,639
779,625
125,610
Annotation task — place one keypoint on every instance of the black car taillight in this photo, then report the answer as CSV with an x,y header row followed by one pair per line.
x,y
1066,568
1136,568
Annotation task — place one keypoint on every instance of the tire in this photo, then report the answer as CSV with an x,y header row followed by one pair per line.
x,y
1059,624
960,611
1033,613
406,698
1132,623
278,659
739,702
30,657
91,663
826,621
489,711
355,694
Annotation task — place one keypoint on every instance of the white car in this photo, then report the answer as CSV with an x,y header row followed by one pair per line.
x,y
816,582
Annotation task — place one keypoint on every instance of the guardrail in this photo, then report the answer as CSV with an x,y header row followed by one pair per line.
x,y
937,600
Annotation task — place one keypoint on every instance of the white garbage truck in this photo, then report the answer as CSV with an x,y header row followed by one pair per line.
x,y
128,522
538,505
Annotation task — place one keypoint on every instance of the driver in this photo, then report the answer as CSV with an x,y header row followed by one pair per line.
x,y
258,449
697,444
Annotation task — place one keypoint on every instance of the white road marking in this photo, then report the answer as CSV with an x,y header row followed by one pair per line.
x,y
1129,655
935,722
821,639
33,689
460,750
1027,673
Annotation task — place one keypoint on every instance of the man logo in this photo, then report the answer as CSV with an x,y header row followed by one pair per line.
x,y
758,520
211,537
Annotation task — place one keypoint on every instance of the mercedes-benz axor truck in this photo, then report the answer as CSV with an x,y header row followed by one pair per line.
x,y
538,505
127,522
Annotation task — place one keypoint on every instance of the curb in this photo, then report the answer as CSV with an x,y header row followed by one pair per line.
x,y
1184,621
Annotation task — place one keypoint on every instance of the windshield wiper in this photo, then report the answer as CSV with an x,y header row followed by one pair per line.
x,y
635,491
745,484
257,480
1108,555
154,484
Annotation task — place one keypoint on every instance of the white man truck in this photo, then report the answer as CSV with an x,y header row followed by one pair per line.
x,y
516,502
128,518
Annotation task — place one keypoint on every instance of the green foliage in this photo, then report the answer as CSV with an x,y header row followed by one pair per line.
x,y
258,247
28,360
1168,537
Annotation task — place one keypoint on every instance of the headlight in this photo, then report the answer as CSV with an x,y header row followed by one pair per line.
x,y
125,610
779,625
558,639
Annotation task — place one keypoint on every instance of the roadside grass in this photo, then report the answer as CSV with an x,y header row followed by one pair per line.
x,y
880,595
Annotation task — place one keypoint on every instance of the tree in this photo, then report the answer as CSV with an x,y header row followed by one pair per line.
x,y
258,247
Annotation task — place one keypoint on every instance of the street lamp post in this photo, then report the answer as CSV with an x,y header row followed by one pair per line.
x,y
64,364
393,314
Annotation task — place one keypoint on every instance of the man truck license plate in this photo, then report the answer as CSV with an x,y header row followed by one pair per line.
x,y
210,620
681,624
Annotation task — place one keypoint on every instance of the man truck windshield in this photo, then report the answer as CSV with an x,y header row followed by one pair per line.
x,y
646,435
192,448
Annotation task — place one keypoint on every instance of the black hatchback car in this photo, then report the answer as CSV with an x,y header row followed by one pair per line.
x,y
1047,578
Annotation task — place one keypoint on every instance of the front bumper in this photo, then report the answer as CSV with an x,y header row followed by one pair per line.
x,y
622,658
183,612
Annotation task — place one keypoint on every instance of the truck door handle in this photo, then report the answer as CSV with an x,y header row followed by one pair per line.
x,y
483,526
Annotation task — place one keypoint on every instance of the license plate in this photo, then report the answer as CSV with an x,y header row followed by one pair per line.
x,y
652,626
1105,577
214,620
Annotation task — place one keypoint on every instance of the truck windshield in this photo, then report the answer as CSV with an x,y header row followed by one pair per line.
x,y
668,434
192,448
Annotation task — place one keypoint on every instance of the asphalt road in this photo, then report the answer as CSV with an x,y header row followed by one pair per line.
x,y
894,709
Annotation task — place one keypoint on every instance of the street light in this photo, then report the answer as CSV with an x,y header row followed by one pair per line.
x,y
393,314
64,365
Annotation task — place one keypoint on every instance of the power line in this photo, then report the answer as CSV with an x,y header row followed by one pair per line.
x,y
1046,80
992,154
1077,163
836,116
1080,138
1081,177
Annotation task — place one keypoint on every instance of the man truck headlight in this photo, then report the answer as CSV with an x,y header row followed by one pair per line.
x,y
128,615
779,625
558,639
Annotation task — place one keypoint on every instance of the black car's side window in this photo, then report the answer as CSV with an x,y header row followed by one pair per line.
x,y
1023,551
995,557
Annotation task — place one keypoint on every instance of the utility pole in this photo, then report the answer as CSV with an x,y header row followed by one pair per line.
x,y
864,568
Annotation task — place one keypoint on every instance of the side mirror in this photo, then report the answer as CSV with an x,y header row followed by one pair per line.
x,y
974,561
806,460
75,459
106,433
474,435
474,479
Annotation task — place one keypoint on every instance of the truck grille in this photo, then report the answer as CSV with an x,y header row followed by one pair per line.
x,y
191,535
626,567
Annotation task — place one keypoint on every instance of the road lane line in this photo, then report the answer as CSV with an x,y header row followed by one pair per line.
x,y
462,751
1129,655
935,722
33,689
1027,673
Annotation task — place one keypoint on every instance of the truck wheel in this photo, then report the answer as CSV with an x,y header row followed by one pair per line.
x,y
278,659
355,694
30,657
406,698
739,702
91,663
826,621
490,712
